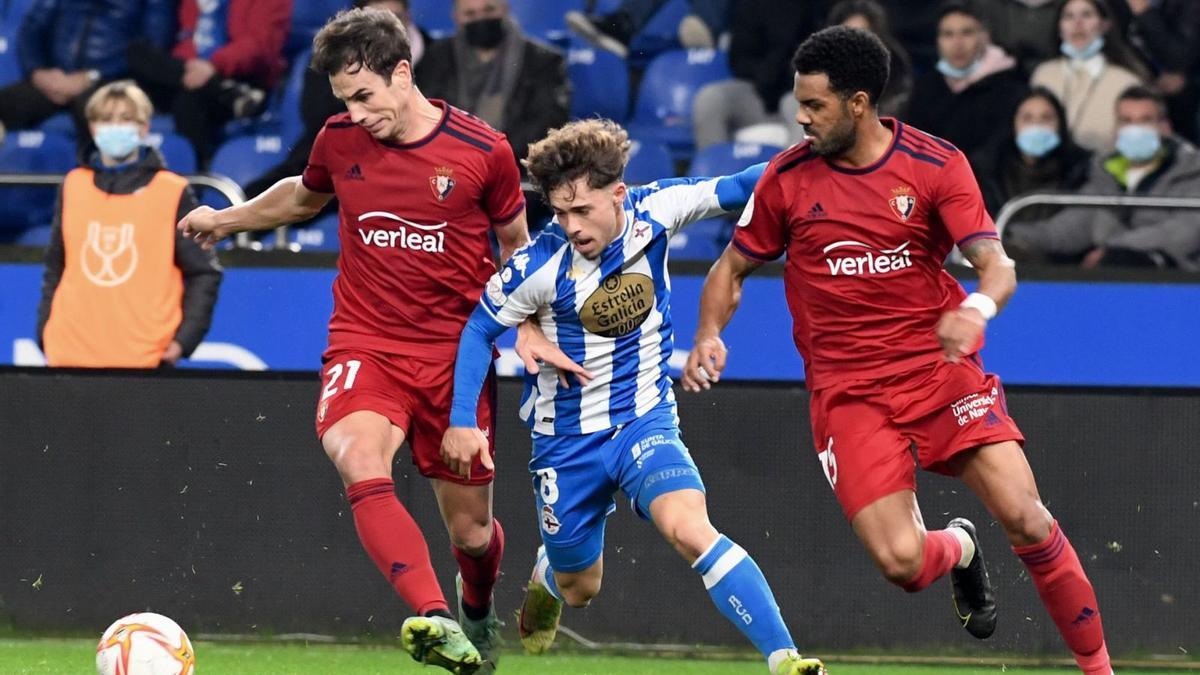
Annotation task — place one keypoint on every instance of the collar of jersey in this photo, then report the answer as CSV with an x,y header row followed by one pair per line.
x,y
429,136
897,128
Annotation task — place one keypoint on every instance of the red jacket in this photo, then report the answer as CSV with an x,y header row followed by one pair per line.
x,y
256,32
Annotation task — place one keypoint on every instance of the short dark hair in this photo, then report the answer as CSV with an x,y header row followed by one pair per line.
x,y
965,7
1140,92
854,60
361,38
597,149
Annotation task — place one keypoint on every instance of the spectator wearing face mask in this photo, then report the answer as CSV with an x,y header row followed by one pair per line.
x,y
1148,161
122,287
490,68
968,99
1038,155
1095,67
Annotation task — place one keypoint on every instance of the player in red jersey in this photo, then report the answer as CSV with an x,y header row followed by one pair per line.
x,y
419,184
866,211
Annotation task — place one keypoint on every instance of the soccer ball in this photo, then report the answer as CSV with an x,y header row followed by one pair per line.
x,y
145,644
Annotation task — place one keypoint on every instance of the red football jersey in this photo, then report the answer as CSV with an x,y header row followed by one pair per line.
x,y
415,217
864,278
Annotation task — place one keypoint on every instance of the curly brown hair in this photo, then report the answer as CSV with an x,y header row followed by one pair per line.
x,y
595,148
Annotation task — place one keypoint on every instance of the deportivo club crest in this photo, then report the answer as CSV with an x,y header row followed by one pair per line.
x,y
442,183
903,202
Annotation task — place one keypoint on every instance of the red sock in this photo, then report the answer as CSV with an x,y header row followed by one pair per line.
x,y
393,540
1068,596
941,553
479,575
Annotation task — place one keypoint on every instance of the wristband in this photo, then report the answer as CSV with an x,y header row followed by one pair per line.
x,y
985,305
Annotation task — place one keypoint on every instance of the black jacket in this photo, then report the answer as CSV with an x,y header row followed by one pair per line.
x,y
540,101
84,34
201,271
1003,174
972,118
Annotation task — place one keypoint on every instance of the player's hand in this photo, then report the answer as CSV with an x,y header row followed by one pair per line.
x,y
459,447
202,225
959,331
704,364
172,353
537,351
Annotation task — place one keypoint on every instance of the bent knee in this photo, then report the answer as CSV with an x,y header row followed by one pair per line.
x,y
691,537
899,564
1026,525
578,591
358,459
470,536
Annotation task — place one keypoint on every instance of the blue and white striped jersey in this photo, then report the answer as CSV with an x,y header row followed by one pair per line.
x,y
611,314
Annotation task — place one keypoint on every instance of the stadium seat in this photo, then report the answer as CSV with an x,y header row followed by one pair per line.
x,y
319,235
433,16
663,111
60,123
723,159
176,150
307,18
544,18
660,34
242,159
31,152
601,83
291,123
648,162
37,235
702,240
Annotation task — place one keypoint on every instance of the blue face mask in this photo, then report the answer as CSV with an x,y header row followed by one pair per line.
x,y
1093,48
117,141
1138,143
1038,141
948,70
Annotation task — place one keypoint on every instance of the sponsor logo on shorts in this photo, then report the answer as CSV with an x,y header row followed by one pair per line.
x,y
644,449
865,260
976,406
550,521
667,474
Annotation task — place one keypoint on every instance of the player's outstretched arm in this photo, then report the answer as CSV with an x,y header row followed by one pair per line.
x,y
463,440
718,301
960,330
286,202
735,190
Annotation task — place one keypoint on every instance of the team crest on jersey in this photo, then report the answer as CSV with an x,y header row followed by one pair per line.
x,y
903,202
442,182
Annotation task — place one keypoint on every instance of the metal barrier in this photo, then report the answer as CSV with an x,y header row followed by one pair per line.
x,y
1012,206
224,185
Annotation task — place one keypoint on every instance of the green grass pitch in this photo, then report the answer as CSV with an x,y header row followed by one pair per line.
x,y
69,657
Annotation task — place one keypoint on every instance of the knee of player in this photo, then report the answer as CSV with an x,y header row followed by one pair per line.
x,y
1027,523
578,591
691,536
470,536
355,456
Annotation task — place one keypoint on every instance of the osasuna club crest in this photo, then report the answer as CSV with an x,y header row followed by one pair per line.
x,y
903,202
442,183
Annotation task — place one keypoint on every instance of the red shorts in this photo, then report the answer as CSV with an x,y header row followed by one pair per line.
x,y
413,393
870,434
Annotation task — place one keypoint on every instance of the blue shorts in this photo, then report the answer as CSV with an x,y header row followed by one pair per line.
x,y
576,476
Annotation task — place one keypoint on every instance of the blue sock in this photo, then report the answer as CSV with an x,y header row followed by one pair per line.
x,y
544,573
741,593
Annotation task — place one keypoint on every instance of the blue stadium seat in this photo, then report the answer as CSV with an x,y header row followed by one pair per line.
x,y
176,150
433,16
291,122
319,235
242,159
37,235
663,111
702,240
31,152
648,162
11,13
60,124
660,34
723,159
162,123
601,82
544,18
307,18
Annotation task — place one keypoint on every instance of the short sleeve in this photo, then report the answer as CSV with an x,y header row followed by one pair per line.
x,y
316,173
761,233
502,196
524,284
960,205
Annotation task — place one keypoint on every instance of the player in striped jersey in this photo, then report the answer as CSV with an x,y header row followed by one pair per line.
x,y
596,281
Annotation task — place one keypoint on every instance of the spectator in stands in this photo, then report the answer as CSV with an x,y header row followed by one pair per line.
x,y
229,55
1148,161
490,68
615,30
1027,29
870,15
67,48
1038,155
969,98
318,104
122,287
1167,34
764,34
1096,66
